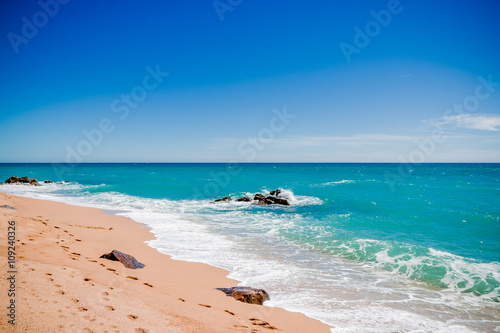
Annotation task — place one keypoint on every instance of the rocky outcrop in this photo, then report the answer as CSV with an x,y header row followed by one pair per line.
x,y
246,294
48,181
126,259
244,199
225,199
23,180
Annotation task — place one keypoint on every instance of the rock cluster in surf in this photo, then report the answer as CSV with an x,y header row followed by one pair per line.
x,y
260,199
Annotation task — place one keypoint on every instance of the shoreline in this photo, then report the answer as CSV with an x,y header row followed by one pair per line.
x,y
62,284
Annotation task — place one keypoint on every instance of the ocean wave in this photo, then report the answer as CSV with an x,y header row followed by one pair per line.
x,y
440,269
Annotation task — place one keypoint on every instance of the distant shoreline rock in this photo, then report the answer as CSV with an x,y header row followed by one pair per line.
x,y
25,180
22,180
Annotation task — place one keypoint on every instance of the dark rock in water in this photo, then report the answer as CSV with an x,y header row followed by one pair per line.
x,y
276,193
8,207
23,180
244,199
48,181
259,196
273,201
280,201
127,260
247,294
225,199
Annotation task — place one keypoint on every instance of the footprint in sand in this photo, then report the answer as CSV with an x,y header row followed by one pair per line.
x,y
111,269
207,306
87,279
81,308
264,324
231,313
182,300
132,317
140,330
109,308
147,284
132,277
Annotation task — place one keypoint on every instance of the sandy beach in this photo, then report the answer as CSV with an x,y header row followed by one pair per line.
x,y
63,286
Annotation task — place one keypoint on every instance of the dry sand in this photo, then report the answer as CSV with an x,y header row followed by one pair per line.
x,y
63,286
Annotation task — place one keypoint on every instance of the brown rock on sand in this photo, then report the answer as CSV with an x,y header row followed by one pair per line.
x,y
246,294
126,259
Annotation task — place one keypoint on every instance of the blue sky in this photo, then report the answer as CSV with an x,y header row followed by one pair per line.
x,y
423,83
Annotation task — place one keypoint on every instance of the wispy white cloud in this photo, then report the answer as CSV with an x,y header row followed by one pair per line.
x,y
400,76
484,122
325,141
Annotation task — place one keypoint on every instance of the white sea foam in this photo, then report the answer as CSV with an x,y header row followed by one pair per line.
x,y
299,200
334,183
345,181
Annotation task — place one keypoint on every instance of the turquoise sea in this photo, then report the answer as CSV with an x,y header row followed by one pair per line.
x,y
363,247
